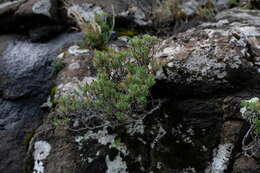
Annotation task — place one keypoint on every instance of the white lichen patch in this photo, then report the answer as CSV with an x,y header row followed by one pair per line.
x,y
74,66
71,88
75,50
136,128
221,159
41,151
116,166
42,7
104,138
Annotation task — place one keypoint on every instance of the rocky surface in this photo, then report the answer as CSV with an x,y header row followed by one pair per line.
x,y
207,71
25,82
225,55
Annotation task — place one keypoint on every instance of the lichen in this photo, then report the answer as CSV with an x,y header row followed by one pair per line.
x,y
116,166
221,159
103,138
42,7
41,151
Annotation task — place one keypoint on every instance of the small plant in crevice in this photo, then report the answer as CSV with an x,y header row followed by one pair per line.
x,y
168,11
252,4
121,91
207,11
98,33
251,113
57,65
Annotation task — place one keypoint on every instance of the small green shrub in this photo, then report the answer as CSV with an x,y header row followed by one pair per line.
x,y
207,10
123,83
57,66
251,113
98,32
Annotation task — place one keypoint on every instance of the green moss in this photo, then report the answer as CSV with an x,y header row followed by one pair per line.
x,y
28,137
53,93
129,33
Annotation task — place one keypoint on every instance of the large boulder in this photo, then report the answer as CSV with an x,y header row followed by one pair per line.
x,y
223,55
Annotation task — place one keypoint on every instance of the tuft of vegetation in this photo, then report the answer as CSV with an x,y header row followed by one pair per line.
x,y
207,11
168,11
122,88
28,137
233,3
251,113
97,33
57,65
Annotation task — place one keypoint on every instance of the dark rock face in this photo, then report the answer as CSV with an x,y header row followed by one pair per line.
x,y
25,82
26,66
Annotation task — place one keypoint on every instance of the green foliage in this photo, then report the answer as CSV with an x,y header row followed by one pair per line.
x,y
252,113
207,10
98,33
53,93
117,142
233,3
57,65
123,82
253,106
257,125
28,137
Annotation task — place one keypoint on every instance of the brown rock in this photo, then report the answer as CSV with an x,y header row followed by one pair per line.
x,y
245,165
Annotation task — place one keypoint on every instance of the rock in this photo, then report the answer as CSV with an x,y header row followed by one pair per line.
x,y
41,151
221,159
129,10
231,108
38,7
232,131
201,67
26,66
245,165
25,74
213,56
21,16
190,7
222,4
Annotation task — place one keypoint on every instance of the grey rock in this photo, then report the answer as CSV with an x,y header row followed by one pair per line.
x,y
26,66
25,82
190,7
213,56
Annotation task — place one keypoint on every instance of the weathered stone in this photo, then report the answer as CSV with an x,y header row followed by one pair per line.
x,y
232,131
245,165
25,82
213,56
